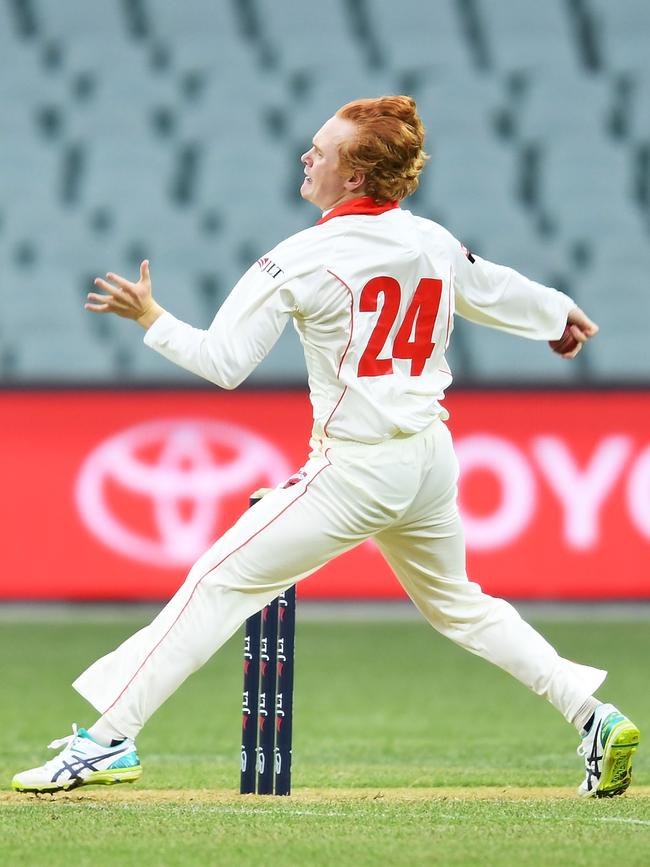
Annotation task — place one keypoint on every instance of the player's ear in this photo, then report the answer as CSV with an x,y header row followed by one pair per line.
x,y
355,181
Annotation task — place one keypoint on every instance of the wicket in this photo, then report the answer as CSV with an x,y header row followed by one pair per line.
x,y
267,702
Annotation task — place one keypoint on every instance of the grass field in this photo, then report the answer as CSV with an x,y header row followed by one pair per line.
x,y
407,751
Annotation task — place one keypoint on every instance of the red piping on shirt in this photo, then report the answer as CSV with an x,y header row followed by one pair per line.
x,y
344,284
448,311
338,372
334,410
364,206
216,566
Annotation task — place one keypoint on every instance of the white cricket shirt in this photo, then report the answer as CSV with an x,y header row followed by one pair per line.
x,y
372,291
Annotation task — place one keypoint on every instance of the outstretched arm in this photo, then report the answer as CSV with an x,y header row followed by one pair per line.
x,y
242,333
501,298
129,300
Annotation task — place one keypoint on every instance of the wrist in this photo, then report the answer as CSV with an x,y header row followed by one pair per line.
x,y
148,317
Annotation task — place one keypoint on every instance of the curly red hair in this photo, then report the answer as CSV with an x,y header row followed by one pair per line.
x,y
388,147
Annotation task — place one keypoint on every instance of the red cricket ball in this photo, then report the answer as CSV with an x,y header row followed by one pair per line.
x,y
566,343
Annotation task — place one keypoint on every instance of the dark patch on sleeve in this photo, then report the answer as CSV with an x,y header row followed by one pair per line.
x,y
468,253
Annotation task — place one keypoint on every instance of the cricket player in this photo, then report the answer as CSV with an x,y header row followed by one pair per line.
x,y
372,290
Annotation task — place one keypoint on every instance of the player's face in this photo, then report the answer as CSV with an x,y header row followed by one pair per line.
x,y
323,185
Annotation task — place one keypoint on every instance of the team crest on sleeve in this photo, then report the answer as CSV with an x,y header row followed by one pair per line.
x,y
269,266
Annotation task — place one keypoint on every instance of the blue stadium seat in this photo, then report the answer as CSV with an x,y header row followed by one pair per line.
x,y
529,36
174,131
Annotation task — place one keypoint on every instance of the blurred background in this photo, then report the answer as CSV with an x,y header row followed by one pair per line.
x,y
173,130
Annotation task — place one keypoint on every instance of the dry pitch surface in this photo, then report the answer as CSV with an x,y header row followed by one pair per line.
x,y
126,795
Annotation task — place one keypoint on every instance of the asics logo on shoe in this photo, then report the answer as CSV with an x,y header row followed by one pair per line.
x,y
594,760
80,763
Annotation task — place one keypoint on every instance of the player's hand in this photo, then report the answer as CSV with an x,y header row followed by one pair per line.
x,y
582,329
130,300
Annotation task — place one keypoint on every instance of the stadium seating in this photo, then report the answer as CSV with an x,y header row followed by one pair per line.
x,y
174,131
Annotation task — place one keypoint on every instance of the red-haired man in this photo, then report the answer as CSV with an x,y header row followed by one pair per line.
x,y
372,291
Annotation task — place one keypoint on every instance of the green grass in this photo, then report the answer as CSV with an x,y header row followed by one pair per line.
x,y
379,707
445,832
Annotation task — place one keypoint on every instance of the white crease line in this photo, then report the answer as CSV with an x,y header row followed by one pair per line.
x,y
621,819
215,808
262,811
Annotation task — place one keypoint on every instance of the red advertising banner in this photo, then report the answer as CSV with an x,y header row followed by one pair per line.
x,y
113,495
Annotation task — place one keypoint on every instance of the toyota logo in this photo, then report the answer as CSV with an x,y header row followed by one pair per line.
x,y
154,492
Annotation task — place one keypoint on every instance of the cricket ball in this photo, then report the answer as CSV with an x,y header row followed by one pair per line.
x,y
566,343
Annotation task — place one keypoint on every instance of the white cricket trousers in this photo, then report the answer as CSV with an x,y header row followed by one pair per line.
x,y
401,492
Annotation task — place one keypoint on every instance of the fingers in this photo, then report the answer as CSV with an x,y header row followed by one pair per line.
x,y
586,326
122,297
580,339
582,329
107,287
578,334
118,299
584,323
573,352
121,282
105,303
124,285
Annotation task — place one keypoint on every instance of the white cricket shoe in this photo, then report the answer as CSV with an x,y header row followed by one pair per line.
x,y
83,762
607,750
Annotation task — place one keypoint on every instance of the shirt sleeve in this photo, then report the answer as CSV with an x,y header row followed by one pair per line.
x,y
242,333
501,298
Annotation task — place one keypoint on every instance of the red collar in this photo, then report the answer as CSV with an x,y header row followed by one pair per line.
x,y
365,205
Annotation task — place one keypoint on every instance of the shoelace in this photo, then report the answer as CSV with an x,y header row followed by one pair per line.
x,y
62,742
591,760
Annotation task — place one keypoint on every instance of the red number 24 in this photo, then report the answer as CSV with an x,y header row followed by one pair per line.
x,y
414,336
